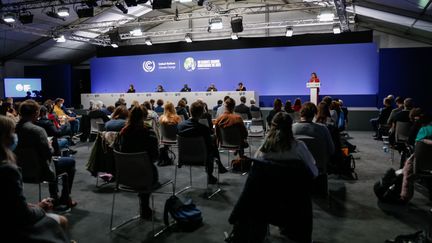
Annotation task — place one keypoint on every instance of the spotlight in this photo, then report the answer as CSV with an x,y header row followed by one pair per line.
x,y
9,18
63,12
121,7
91,3
148,42
289,32
188,38
131,3
234,36
85,12
160,4
26,17
336,29
136,32
114,45
215,23
237,24
53,14
59,38
326,16
106,4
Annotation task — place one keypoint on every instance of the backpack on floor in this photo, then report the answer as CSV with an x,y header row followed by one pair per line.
x,y
241,164
388,189
187,216
343,165
166,156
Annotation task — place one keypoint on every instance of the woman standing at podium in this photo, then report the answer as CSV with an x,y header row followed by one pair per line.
x,y
314,79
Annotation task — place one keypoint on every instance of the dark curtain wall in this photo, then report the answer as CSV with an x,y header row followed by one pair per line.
x,y
406,72
56,80
80,84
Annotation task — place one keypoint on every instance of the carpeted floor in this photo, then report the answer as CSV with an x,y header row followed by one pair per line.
x,y
354,216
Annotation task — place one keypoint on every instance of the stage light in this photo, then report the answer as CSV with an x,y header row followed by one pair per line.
x,y
91,3
26,17
148,42
216,23
289,32
336,29
237,24
234,36
63,12
54,14
188,38
183,1
9,18
114,45
106,4
131,3
121,7
59,38
136,32
326,16
85,12
160,4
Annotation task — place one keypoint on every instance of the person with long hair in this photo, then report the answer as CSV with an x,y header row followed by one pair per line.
x,y
288,107
136,137
280,144
17,216
277,107
118,119
277,167
169,117
297,105
323,114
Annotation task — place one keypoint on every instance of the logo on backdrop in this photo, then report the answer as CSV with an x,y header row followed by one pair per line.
x,y
149,66
189,64
23,87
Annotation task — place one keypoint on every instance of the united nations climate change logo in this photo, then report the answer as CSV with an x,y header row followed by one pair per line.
x,y
189,64
149,66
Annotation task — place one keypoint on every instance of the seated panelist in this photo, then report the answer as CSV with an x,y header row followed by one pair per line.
x,y
241,87
160,89
212,88
186,88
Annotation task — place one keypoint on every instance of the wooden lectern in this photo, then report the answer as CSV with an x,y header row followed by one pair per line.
x,y
313,91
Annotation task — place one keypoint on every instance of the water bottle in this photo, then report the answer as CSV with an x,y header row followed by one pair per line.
x,y
385,148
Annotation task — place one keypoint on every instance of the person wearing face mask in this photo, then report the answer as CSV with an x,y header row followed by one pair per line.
x,y
22,221
33,145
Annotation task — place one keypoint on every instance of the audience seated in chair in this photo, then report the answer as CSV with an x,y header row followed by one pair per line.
x,y
277,107
193,128
98,113
63,116
399,107
118,119
315,130
379,123
221,108
159,108
22,221
297,105
60,141
34,138
229,119
135,137
277,190
242,108
182,110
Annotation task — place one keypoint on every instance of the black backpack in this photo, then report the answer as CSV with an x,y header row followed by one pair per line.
x,y
388,189
166,156
187,216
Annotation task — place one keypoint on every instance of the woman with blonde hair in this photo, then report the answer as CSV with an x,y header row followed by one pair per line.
x,y
169,117
22,222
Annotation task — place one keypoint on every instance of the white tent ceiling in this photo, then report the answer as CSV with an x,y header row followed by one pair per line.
x,y
409,18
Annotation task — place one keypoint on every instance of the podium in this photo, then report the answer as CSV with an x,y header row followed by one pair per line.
x,y
313,91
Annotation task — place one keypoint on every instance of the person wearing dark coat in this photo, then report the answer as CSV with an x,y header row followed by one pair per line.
x,y
242,108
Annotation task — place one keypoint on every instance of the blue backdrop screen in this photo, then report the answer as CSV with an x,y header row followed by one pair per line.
x,y
18,87
344,69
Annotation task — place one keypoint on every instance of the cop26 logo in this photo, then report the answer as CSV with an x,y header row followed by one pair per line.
x,y
189,64
149,66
